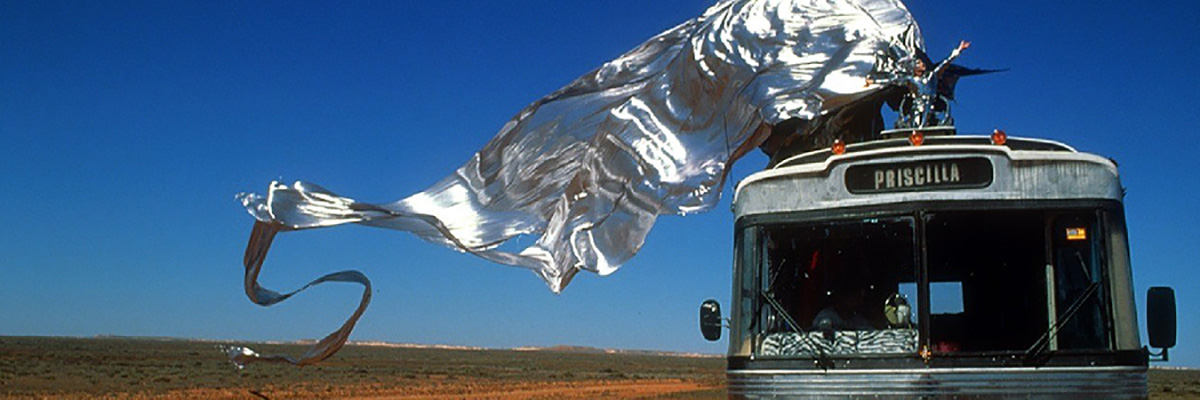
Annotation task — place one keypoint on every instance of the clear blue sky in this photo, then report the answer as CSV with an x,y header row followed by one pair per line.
x,y
128,127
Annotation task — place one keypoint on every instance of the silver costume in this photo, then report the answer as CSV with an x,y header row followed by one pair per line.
x,y
587,169
924,105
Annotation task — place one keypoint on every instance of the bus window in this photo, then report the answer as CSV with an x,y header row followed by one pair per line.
x,y
945,298
745,291
1078,282
836,288
996,261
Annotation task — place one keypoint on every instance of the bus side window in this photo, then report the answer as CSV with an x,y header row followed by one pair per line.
x,y
1076,269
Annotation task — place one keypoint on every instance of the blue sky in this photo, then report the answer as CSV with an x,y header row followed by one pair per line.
x,y
128,127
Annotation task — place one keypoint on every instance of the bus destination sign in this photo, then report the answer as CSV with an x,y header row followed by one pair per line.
x,y
953,173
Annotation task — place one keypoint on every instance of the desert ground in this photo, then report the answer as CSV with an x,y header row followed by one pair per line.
x,y
127,368
124,368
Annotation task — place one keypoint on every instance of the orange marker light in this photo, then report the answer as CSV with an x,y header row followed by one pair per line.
x,y
839,147
916,138
1076,233
999,138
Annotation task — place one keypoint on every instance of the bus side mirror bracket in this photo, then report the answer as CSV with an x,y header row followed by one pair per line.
x,y
1160,319
710,320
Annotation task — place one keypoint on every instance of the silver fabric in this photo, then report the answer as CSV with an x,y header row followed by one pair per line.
x,y
256,252
587,169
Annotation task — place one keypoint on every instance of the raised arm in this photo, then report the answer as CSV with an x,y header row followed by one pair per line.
x,y
962,45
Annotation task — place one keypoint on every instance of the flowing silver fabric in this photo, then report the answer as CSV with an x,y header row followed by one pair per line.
x,y
587,169
256,252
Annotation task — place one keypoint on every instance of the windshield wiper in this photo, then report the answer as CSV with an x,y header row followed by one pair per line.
x,y
781,311
1039,347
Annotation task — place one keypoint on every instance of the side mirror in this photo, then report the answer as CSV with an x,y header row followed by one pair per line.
x,y
1160,318
710,320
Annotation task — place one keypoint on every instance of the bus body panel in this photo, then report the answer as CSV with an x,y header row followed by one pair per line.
x,y
1019,175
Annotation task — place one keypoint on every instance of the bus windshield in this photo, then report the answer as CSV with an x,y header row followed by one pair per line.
x,y
1007,280
839,288
996,280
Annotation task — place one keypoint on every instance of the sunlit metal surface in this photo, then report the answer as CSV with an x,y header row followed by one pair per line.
x,y
1047,383
587,169
1019,175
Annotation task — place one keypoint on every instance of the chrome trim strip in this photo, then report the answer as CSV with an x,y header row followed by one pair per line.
x,y
1027,382
938,370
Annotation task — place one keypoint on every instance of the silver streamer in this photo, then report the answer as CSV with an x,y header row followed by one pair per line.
x,y
256,252
587,169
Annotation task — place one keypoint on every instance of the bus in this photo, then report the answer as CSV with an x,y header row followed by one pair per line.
x,y
936,265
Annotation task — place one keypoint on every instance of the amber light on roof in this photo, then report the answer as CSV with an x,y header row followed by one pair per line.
x,y
999,138
916,138
839,147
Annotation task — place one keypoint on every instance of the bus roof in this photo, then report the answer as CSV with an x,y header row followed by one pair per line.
x,y
942,168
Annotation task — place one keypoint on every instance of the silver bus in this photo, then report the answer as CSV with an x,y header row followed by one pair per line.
x,y
957,266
